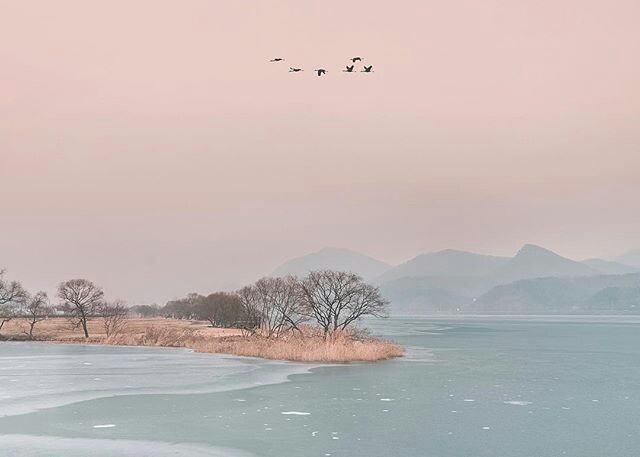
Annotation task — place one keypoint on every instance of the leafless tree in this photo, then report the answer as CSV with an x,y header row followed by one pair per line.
x,y
12,295
251,309
220,309
114,316
184,308
81,299
11,291
285,299
35,310
277,302
336,299
8,311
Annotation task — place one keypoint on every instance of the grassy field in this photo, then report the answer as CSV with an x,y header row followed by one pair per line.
x,y
199,336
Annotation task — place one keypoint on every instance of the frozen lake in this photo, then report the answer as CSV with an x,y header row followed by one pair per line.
x,y
512,388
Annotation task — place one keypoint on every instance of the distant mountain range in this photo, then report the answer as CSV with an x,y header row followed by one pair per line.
x,y
534,281
333,259
630,258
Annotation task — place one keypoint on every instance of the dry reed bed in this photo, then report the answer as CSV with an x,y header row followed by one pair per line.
x,y
311,347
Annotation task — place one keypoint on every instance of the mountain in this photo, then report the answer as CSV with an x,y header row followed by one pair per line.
x,y
428,294
600,294
452,281
609,267
630,258
447,263
533,261
333,259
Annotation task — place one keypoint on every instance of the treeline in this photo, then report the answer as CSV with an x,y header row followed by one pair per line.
x,y
270,307
332,300
80,300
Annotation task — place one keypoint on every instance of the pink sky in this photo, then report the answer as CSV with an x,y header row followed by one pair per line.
x,y
149,146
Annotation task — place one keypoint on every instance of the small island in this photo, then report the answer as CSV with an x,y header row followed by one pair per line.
x,y
312,319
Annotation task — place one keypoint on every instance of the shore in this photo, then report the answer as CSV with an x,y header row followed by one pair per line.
x,y
201,337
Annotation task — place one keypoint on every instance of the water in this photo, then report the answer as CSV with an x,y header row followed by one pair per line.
x,y
466,388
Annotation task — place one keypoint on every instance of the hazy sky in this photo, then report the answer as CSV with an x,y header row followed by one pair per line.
x,y
150,146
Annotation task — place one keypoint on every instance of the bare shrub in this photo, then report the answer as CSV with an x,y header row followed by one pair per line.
x,y
114,317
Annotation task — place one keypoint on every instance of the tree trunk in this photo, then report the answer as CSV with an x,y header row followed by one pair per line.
x,y
84,327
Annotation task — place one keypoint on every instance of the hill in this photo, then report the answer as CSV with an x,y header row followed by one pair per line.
x,y
450,282
610,267
613,294
428,295
631,258
333,259
447,263
533,261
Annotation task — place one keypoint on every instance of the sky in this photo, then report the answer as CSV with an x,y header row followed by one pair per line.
x,y
151,147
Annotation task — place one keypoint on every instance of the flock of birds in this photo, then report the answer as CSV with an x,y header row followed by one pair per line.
x,y
322,71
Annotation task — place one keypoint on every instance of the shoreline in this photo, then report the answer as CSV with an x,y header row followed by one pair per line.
x,y
568,318
196,336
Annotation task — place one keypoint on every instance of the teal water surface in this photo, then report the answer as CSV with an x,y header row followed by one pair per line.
x,y
466,388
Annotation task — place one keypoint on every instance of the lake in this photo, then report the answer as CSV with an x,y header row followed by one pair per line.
x,y
467,387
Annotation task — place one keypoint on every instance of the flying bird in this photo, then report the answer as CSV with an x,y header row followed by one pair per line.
x,y
277,59
294,70
356,59
349,69
367,69
321,71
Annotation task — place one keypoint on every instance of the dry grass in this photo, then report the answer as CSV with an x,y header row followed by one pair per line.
x,y
310,347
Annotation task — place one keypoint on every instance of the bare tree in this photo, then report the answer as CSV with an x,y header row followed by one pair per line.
x,y
336,299
81,299
277,302
8,311
11,291
285,299
114,317
251,309
12,295
184,308
220,309
35,310
145,310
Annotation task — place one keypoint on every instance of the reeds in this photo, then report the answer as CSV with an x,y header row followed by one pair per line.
x,y
305,346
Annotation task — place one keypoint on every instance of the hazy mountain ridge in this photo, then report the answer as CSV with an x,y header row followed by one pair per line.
x,y
534,281
610,267
533,261
449,262
333,259
631,258
615,294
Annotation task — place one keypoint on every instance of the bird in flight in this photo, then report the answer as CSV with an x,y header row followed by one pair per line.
x,y
356,59
367,69
295,70
277,59
321,71
349,69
